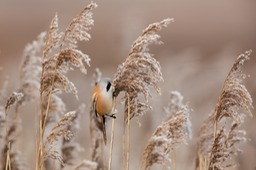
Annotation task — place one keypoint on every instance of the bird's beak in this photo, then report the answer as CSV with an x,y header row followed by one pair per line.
x,y
113,84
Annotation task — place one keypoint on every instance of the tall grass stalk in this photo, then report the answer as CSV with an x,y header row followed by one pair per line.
x,y
128,132
111,144
8,159
124,144
136,76
60,55
43,120
112,135
7,163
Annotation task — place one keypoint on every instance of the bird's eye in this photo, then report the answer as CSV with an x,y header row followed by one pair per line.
x,y
108,86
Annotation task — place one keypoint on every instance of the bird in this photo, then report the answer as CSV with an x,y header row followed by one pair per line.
x,y
103,101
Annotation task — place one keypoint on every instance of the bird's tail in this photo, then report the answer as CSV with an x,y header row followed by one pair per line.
x,y
104,130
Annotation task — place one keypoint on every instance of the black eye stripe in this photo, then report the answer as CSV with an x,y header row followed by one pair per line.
x,y
108,86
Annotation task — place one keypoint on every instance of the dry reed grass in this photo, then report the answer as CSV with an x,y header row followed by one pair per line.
x,y
136,76
60,55
176,129
218,145
43,76
140,71
10,155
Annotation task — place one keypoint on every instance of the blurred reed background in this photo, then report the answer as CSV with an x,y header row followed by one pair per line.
x,y
198,51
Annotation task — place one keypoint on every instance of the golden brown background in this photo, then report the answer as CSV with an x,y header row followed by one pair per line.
x,y
198,51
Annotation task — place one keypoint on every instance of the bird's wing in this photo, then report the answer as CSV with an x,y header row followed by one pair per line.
x,y
94,99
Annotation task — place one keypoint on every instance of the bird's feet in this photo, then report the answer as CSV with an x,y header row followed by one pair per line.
x,y
112,115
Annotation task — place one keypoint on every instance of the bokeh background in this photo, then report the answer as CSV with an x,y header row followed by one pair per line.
x,y
198,51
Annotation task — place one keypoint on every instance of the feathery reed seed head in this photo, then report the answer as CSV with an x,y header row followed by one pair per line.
x,y
60,129
65,54
218,145
13,99
31,70
175,130
70,148
140,71
234,96
225,147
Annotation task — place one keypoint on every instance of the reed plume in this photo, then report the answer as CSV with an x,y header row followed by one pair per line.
x,y
217,146
60,129
225,148
204,143
11,156
137,75
234,97
30,73
141,70
13,99
70,148
176,129
30,70
174,106
234,102
60,55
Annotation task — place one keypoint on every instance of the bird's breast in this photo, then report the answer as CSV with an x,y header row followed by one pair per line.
x,y
104,104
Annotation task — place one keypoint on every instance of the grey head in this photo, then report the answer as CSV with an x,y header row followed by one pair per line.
x,y
105,84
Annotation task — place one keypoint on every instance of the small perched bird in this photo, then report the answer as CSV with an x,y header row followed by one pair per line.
x,y
103,101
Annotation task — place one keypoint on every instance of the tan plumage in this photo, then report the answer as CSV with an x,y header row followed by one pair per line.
x,y
102,99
